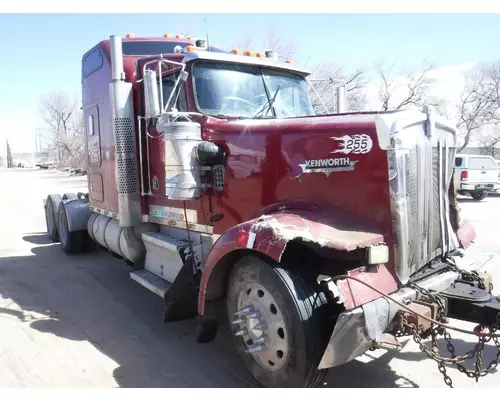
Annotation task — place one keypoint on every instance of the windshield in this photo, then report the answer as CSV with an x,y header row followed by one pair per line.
x,y
236,90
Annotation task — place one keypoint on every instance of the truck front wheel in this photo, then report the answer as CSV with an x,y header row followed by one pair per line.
x,y
280,323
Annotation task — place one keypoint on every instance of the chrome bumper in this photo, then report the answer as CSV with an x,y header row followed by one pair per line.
x,y
357,329
489,186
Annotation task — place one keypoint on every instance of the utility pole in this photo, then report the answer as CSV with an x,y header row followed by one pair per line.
x,y
38,144
9,155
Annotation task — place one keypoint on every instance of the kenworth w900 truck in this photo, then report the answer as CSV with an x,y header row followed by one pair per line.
x,y
324,236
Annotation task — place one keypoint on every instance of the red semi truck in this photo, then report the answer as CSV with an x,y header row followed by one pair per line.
x,y
324,236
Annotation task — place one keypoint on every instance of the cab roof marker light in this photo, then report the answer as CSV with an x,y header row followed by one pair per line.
x,y
167,35
130,35
237,52
201,43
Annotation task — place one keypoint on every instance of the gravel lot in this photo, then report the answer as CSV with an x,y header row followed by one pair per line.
x,y
82,322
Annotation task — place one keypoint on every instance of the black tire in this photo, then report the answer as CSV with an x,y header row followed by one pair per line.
x,y
479,195
88,243
71,242
69,196
51,206
305,315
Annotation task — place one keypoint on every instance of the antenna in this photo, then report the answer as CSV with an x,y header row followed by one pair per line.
x,y
206,34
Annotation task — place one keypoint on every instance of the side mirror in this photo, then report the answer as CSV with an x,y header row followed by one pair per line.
x,y
151,96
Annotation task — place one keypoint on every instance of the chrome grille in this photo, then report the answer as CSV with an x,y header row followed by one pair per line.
x,y
419,206
435,242
412,181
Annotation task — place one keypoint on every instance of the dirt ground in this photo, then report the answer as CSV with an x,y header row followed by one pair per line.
x,y
81,322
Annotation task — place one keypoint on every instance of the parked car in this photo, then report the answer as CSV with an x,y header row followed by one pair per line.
x,y
45,165
20,163
498,163
476,175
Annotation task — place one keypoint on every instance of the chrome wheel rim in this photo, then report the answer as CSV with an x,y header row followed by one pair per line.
x,y
260,323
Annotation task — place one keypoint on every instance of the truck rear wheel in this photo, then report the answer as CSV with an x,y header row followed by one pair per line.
x,y
51,206
69,196
279,321
479,195
71,242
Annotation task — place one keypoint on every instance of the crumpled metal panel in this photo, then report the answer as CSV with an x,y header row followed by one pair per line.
x,y
357,328
348,341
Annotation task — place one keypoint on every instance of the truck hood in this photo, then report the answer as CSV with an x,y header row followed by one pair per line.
x,y
335,160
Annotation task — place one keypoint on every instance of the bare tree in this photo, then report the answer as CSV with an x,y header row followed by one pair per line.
x,y
243,43
489,144
321,79
63,129
286,50
184,31
442,105
398,90
475,107
273,40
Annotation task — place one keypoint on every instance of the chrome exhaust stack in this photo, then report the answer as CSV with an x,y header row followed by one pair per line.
x,y
341,98
126,167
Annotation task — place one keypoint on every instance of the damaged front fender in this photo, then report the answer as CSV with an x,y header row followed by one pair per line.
x,y
269,234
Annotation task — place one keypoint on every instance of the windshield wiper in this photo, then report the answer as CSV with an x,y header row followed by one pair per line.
x,y
269,103
229,116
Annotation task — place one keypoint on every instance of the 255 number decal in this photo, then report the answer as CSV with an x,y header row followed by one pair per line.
x,y
353,144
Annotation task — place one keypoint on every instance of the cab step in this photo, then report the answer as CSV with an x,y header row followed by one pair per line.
x,y
151,281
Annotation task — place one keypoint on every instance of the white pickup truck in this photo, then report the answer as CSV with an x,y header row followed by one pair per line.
x,y
476,175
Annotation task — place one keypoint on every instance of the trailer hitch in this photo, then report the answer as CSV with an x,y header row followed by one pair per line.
x,y
469,301
466,301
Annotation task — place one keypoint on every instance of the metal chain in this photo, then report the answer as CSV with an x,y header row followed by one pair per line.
x,y
435,331
470,275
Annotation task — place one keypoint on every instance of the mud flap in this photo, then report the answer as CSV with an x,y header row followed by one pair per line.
x,y
208,325
181,299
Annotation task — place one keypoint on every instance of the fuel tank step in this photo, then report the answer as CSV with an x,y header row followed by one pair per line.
x,y
151,281
165,255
